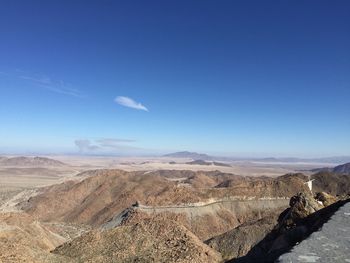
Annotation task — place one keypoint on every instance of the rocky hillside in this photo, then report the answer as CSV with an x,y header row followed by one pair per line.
x,y
304,216
166,216
209,203
342,169
149,240
330,182
276,232
98,198
238,241
23,239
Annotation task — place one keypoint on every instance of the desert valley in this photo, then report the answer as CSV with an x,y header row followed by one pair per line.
x,y
162,209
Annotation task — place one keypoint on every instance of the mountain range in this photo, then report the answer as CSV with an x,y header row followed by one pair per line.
x,y
206,157
191,155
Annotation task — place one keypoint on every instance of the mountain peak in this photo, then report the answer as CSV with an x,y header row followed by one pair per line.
x,y
191,155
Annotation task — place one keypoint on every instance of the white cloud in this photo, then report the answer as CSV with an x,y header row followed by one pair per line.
x,y
105,145
112,142
85,145
129,102
45,82
57,86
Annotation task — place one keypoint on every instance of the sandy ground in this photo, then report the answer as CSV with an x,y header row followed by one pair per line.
x,y
18,177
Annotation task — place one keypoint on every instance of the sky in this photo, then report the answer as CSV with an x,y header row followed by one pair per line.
x,y
231,78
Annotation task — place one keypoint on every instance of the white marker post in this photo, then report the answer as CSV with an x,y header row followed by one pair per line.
x,y
309,184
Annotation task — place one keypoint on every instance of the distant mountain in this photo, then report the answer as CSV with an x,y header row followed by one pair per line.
x,y
191,155
336,159
29,161
221,164
201,156
199,162
323,169
342,169
202,162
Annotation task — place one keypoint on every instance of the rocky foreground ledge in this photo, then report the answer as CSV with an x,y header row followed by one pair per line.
x,y
307,218
329,244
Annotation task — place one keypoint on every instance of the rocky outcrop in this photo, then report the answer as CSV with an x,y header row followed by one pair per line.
x,y
304,216
149,240
301,205
240,240
332,183
325,199
328,244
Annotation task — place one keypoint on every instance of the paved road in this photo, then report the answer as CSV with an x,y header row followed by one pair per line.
x,y
330,244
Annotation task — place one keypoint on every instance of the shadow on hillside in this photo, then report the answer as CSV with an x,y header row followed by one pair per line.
x,y
267,251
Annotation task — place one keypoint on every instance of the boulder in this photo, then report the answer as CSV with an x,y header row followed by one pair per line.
x,y
325,199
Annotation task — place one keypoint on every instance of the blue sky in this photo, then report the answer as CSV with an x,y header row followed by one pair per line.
x,y
256,78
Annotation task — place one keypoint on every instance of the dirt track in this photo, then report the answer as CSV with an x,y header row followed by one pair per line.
x,y
239,207
234,205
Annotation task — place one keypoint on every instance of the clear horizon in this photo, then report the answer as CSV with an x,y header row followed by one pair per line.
x,y
228,78
243,156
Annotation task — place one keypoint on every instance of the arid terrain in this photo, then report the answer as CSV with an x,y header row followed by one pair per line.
x,y
165,209
18,173
174,131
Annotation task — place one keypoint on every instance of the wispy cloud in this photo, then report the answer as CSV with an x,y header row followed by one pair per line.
x,y
85,145
130,103
104,144
57,86
112,143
